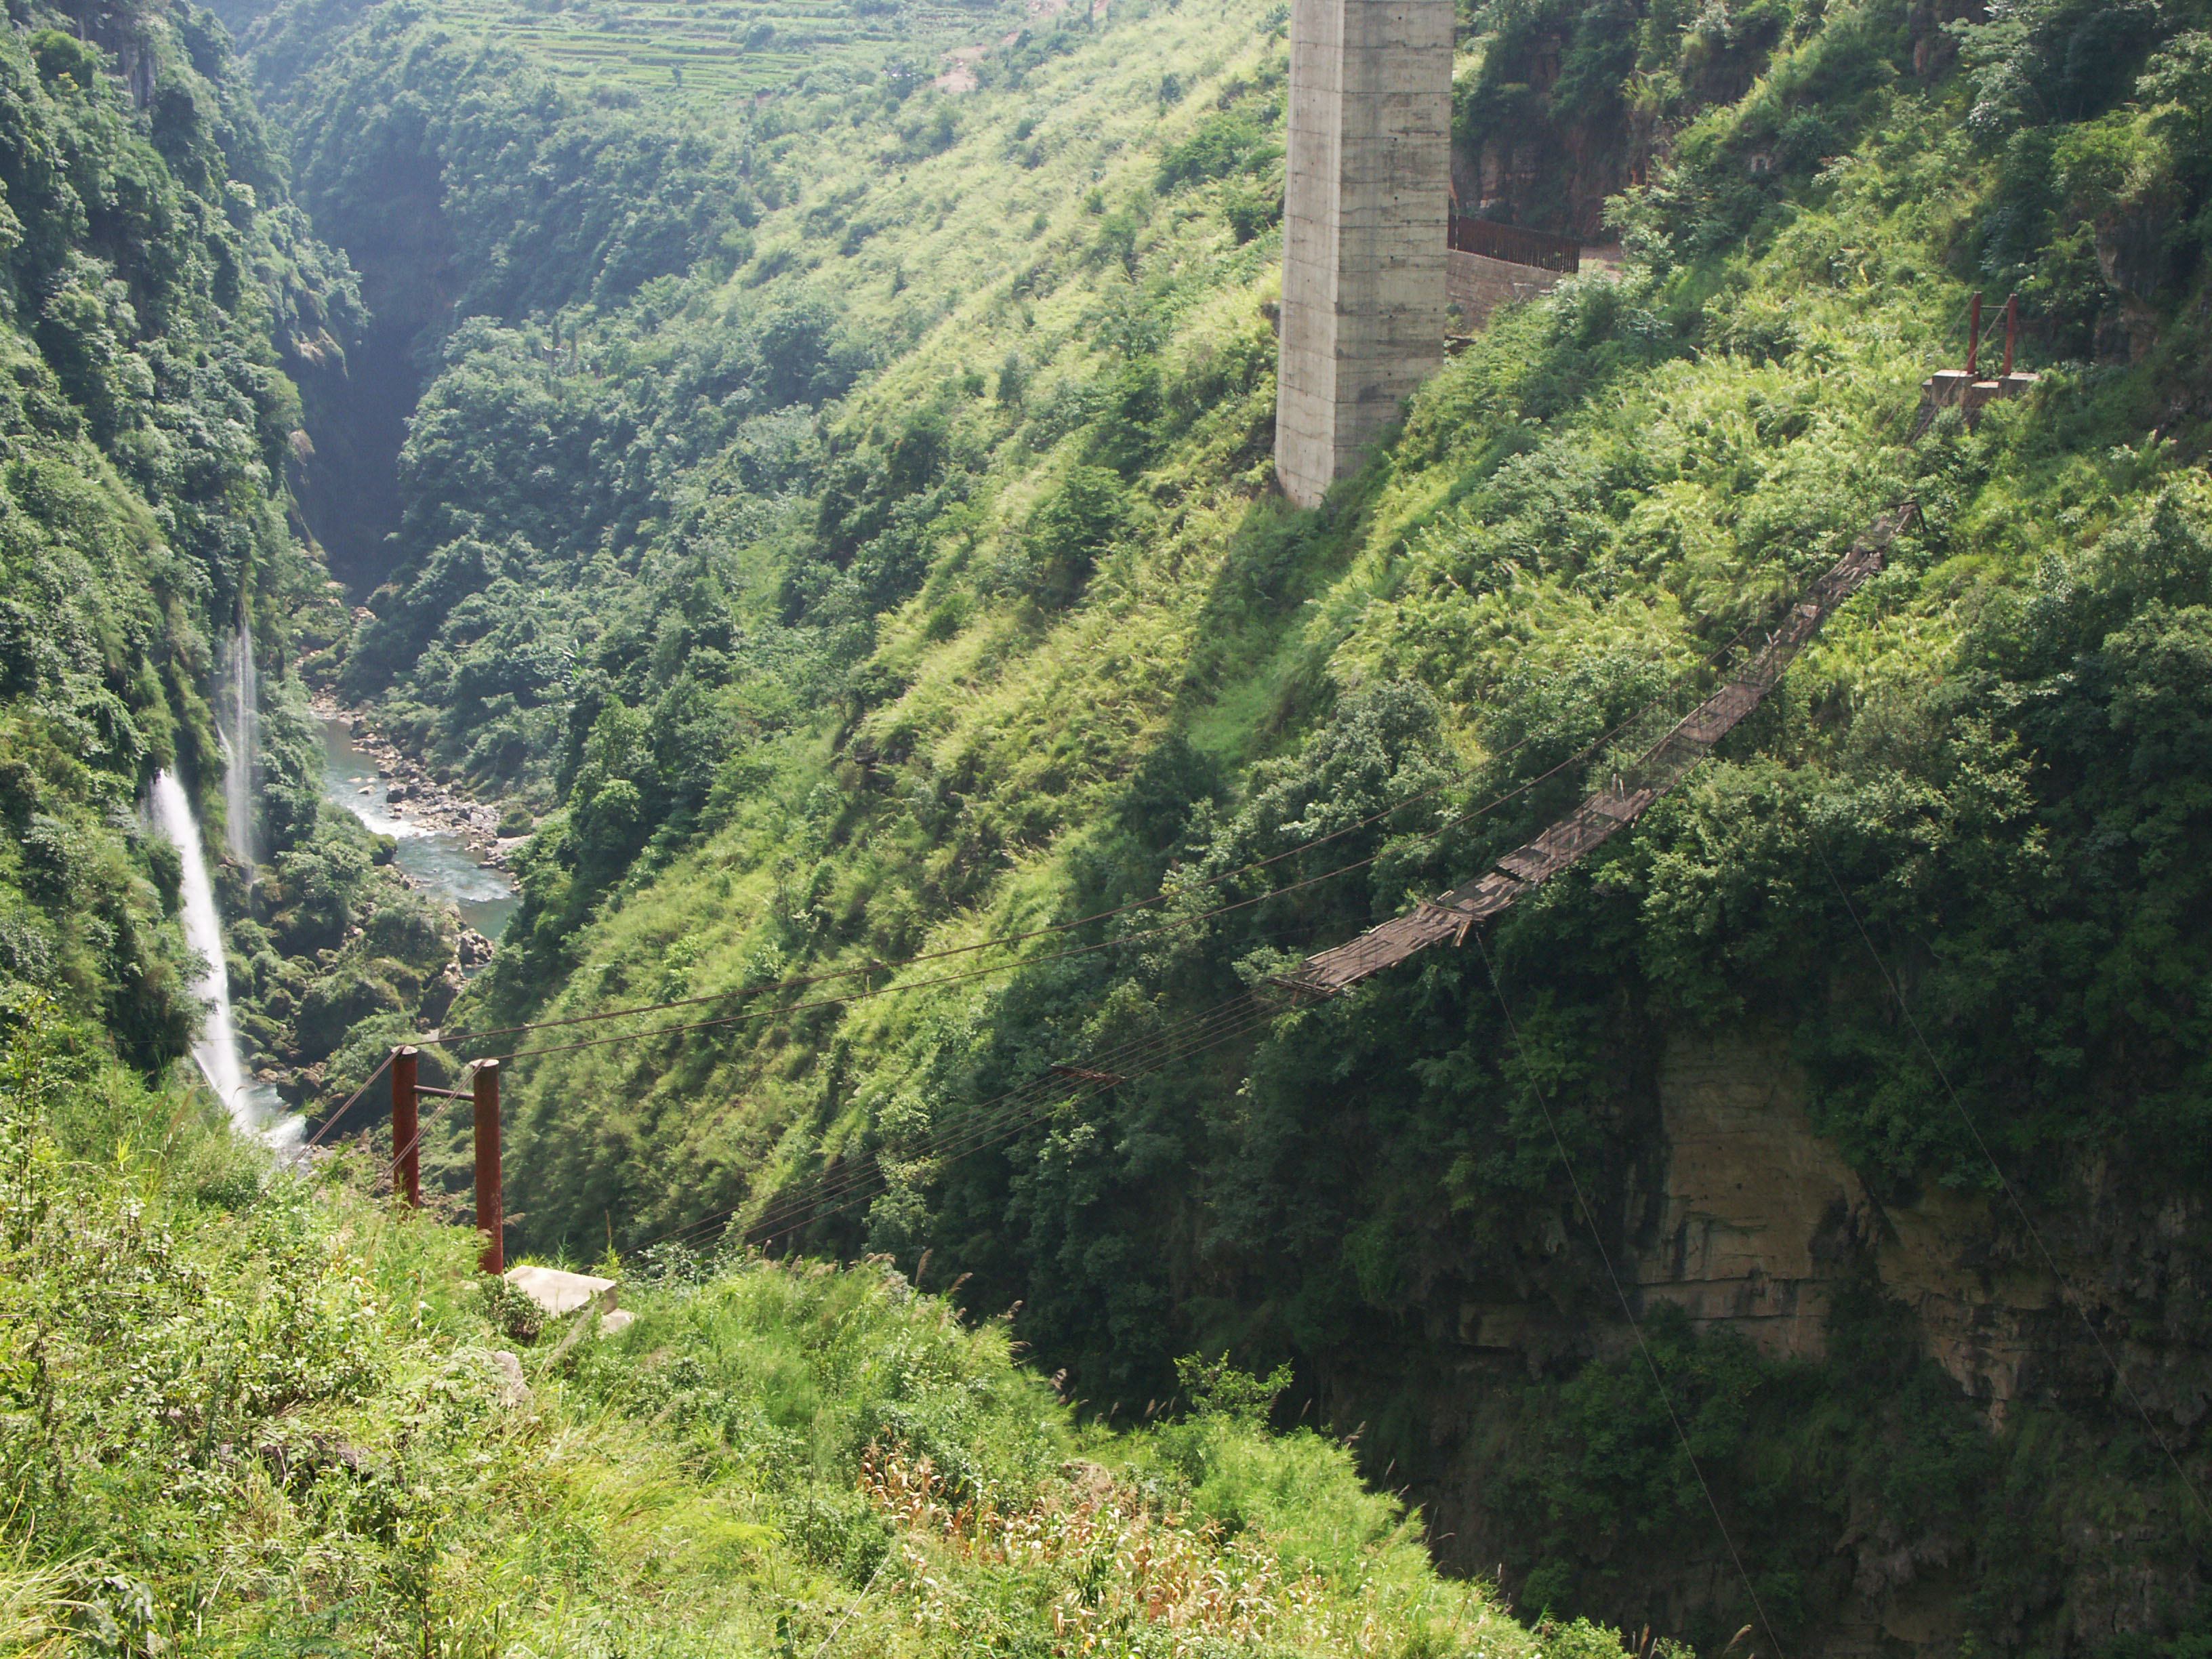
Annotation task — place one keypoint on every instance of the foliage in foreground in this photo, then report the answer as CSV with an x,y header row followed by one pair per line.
x,y
1003,630
243,1410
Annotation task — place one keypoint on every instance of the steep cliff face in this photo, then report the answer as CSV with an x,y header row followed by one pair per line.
x,y
1739,1220
1761,1223
1756,1219
1571,101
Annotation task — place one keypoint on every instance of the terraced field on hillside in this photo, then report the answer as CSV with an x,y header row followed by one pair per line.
x,y
709,56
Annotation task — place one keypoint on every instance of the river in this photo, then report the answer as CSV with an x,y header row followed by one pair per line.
x,y
438,860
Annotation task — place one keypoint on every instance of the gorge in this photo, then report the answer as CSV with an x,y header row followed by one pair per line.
x,y
808,484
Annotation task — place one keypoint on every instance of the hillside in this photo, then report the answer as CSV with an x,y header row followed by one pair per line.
x,y
997,627
250,1413
246,1406
845,518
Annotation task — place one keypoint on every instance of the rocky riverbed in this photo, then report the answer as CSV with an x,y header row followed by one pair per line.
x,y
406,790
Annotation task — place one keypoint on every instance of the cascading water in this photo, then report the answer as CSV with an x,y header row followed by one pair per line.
x,y
241,746
216,1051
251,1106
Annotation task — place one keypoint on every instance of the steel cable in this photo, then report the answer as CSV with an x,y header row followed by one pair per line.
x,y
448,1039
1577,758
1201,1032
1004,1131
996,1108
1239,1019
331,1121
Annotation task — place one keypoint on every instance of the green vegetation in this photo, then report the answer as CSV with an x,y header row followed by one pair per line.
x,y
164,299
1566,104
250,1412
845,524
711,60
893,568
161,292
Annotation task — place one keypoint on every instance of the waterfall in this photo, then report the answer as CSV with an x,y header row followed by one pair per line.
x,y
242,747
253,1107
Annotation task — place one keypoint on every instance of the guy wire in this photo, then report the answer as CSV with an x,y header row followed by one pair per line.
x,y
1008,1126
1489,806
1005,1115
1008,1107
976,1129
331,1121
1709,658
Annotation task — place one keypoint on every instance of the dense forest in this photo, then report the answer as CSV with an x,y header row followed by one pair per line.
x,y
157,279
840,516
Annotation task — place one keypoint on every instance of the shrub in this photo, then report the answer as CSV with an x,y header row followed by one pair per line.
x,y
1226,142
1070,529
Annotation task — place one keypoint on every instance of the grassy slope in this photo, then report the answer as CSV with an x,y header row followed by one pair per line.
x,y
1047,711
1199,621
704,59
247,1412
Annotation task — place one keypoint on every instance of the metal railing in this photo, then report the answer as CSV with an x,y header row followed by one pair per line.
x,y
1514,245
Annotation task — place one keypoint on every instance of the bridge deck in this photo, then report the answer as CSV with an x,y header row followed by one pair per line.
x,y
1605,814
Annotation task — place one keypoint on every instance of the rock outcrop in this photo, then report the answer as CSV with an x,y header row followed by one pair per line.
x,y
1733,1208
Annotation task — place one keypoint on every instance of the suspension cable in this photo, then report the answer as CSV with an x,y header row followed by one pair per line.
x,y
449,1039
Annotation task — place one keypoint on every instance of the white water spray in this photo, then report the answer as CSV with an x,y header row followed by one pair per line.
x,y
241,748
252,1107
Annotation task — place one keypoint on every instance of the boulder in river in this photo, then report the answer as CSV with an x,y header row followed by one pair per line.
x,y
438,999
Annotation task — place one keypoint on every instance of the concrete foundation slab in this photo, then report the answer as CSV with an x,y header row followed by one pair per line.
x,y
559,1293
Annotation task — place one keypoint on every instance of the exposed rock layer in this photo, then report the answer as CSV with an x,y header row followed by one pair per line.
x,y
1733,1207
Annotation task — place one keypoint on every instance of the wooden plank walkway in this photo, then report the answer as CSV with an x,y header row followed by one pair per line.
x,y
1604,815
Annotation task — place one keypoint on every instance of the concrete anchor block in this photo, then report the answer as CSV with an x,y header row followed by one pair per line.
x,y
1945,387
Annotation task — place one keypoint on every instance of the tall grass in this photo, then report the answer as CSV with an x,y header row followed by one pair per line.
x,y
249,1410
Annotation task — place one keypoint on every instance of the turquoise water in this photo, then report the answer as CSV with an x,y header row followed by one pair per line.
x,y
439,860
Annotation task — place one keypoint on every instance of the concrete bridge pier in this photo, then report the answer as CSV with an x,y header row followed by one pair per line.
x,y
1368,189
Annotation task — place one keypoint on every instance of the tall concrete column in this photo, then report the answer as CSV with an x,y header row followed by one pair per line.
x,y
1368,187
